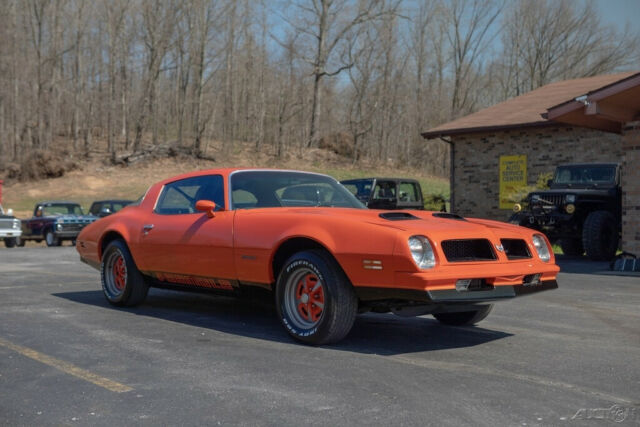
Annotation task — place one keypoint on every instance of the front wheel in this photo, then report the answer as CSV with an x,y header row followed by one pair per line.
x,y
10,242
315,301
122,282
463,318
600,235
51,239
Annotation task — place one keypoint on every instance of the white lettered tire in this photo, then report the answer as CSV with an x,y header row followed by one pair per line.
x,y
316,303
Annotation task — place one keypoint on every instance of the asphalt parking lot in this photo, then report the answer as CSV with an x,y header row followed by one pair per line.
x,y
564,357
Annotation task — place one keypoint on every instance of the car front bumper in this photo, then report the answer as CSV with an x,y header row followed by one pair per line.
x,y
10,232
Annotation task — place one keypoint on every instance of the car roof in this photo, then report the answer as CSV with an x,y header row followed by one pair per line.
x,y
228,171
60,202
588,164
379,179
113,201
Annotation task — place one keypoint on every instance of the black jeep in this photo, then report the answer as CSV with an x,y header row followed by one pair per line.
x,y
386,193
582,210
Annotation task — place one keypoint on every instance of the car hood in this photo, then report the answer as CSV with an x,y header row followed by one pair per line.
x,y
73,218
420,222
576,191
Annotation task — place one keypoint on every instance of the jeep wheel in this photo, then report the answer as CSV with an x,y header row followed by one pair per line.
x,y
315,301
122,282
51,239
463,318
600,236
572,247
10,242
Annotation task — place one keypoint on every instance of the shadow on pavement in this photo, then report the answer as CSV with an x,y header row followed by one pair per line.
x,y
382,334
581,265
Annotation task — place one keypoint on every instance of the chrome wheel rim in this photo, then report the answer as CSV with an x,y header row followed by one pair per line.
x,y
304,298
115,274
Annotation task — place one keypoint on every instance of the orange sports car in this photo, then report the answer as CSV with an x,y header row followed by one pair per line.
x,y
309,241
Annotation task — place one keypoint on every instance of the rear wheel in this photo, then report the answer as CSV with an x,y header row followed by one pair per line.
x,y
463,318
122,282
51,239
572,246
316,302
600,236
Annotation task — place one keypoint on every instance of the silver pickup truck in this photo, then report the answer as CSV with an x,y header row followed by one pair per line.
x,y
10,230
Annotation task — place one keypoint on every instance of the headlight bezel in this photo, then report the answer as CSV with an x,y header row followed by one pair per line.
x,y
570,198
424,256
543,250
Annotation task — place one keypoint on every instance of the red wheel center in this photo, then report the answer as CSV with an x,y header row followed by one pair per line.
x,y
119,273
310,297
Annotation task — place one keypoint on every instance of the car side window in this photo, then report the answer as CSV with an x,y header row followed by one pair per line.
x,y
95,209
408,192
180,197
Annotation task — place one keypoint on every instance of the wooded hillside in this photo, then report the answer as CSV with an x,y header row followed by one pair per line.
x,y
362,76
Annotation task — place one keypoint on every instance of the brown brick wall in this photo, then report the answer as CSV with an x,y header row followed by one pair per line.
x,y
631,189
476,161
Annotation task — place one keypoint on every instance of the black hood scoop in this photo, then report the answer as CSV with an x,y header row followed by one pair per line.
x,y
397,216
447,215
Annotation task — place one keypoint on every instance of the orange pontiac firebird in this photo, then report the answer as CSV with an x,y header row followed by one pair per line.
x,y
309,240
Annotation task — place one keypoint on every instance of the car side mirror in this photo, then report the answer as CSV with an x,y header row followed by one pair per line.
x,y
206,206
549,182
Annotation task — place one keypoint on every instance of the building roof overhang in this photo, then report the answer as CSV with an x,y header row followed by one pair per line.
x,y
607,108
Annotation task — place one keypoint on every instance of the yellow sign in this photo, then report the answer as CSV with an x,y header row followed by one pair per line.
x,y
513,179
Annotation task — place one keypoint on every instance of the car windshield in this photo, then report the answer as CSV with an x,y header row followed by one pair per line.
x,y
61,209
270,189
585,175
361,188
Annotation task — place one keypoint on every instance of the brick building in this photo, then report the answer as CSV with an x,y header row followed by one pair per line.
x,y
543,128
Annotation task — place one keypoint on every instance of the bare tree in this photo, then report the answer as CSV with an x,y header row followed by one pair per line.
x,y
469,25
326,25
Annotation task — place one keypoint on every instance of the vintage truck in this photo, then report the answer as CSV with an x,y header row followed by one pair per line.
x,y
9,228
386,193
54,222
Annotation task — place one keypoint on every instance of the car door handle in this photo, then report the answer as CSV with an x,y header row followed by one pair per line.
x,y
147,228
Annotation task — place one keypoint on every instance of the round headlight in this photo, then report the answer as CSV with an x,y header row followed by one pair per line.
x,y
570,198
422,252
59,226
16,223
517,207
541,247
570,208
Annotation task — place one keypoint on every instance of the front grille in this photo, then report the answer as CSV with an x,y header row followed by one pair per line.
x,y
72,227
552,199
468,250
515,249
6,223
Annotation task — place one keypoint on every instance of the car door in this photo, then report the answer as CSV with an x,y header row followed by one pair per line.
x,y
179,242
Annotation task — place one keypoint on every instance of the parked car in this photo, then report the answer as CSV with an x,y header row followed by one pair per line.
x,y
10,230
582,210
386,193
322,253
102,208
54,222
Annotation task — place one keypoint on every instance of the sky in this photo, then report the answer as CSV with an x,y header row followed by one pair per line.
x,y
620,12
